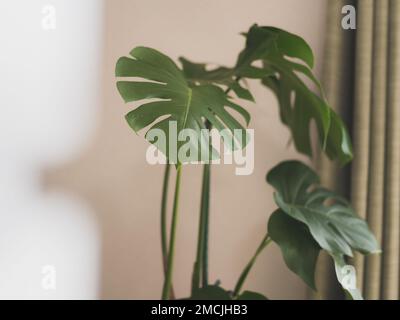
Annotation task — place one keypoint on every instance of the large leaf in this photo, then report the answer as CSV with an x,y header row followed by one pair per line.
x,y
287,60
299,105
330,221
335,226
300,251
174,99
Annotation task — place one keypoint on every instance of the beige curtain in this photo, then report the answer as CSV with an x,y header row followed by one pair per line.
x,y
362,82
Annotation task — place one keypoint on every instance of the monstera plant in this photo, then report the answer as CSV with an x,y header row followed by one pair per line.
x,y
309,218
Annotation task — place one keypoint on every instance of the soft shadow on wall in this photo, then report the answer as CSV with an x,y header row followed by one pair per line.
x,y
125,190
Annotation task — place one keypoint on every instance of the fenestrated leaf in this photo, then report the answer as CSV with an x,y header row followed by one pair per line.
x,y
212,292
329,218
176,100
299,105
335,227
298,247
249,295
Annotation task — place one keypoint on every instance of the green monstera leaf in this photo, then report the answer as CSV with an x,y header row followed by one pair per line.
x,y
299,249
335,227
290,60
287,60
323,219
175,100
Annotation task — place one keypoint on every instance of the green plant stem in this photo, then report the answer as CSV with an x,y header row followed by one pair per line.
x,y
170,263
264,243
164,217
201,241
201,263
205,207
164,244
204,267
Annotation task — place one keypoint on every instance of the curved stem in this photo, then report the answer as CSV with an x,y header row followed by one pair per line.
x,y
170,263
264,243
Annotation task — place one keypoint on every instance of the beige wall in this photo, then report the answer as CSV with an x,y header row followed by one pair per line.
x,y
113,176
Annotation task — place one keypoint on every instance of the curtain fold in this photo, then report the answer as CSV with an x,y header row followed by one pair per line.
x,y
377,137
390,272
362,82
361,117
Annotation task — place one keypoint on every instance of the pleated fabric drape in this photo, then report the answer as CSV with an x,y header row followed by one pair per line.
x,y
362,82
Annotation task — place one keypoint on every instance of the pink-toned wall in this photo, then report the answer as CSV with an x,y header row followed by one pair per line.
x,y
125,191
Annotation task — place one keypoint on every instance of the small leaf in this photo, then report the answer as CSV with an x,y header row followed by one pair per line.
x,y
249,295
212,292
351,289
299,249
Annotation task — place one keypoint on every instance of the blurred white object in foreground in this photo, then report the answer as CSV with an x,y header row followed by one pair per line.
x,y
49,98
